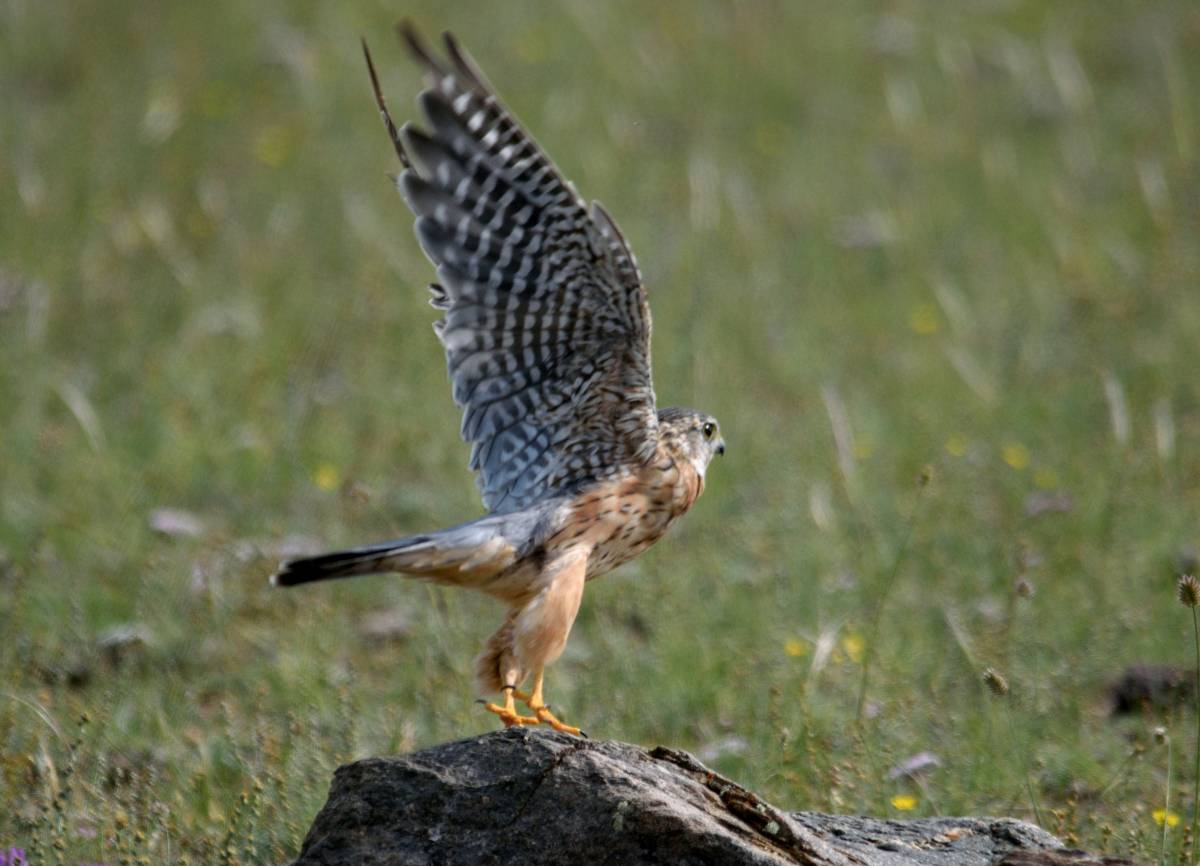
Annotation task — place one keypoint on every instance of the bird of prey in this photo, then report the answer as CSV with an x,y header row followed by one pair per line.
x,y
546,330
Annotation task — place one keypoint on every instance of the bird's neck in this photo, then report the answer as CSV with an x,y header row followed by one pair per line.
x,y
688,478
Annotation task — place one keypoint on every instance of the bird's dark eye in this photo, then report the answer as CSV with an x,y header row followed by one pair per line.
x,y
708,429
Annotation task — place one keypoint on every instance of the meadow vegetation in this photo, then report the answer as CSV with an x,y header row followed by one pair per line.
x,y
935,267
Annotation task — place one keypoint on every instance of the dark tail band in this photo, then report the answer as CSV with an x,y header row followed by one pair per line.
x,y
344,563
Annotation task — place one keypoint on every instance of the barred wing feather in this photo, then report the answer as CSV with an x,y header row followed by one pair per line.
x,y
547,325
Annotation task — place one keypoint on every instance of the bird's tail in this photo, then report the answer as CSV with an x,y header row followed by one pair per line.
x,y
461,555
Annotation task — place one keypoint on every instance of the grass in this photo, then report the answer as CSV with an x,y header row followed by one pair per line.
x,y
935,269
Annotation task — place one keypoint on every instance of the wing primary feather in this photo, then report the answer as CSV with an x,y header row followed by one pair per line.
x,y
393,133
610,227
439,300
466,65
547,327
409,35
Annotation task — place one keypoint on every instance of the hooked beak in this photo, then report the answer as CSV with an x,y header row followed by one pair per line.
x,y
721,448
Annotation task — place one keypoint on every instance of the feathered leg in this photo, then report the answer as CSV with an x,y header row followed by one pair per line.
x,y
540,630
496,670
533,636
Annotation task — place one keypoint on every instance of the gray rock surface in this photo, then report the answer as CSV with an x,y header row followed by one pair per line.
x,y
537,797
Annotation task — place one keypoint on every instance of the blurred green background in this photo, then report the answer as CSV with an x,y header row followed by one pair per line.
x,y
936,268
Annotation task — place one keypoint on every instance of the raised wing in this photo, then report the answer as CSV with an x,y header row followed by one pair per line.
x,y
546,326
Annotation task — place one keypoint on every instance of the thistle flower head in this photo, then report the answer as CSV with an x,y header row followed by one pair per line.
x,y
995,682
1188,591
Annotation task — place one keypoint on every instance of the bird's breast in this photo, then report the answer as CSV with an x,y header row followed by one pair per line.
x,y
621,517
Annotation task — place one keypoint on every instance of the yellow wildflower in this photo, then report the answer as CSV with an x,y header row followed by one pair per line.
x,y
1162,816
326,477
795,647
904,802
956,445
854,645
924,320
1015,455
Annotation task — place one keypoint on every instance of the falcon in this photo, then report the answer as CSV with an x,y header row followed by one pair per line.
x,y
546,331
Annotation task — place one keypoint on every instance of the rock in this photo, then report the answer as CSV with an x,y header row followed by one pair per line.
x,y
534,796
1048,502
121,643
175,522
1061,857
1186,560
1149,688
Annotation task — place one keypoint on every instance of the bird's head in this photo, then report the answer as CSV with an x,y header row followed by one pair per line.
x,y
693,436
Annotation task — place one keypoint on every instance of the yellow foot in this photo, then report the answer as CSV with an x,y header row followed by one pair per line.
x,y
541,709
509,717
544,715
508,713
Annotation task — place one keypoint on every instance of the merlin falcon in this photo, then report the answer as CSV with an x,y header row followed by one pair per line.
x,y
546,330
